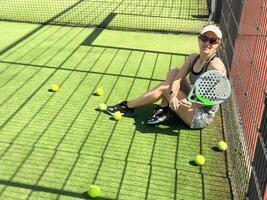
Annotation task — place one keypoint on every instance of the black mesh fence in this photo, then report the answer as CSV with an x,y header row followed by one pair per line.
x,y
152,15
244,51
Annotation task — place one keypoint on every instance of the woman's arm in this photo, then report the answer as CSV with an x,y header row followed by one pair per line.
x,y
218,65
180,76
173,101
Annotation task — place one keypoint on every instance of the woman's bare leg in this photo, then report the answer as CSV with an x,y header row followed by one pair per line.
x,y
149,97
158,92
185,85
185,114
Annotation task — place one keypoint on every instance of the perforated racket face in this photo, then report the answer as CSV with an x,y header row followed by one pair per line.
x,y
212,87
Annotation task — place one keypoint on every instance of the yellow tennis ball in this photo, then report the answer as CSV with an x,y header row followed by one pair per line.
x,y
200,160
117,115
102,106
99,91
54,87
222,145
94,191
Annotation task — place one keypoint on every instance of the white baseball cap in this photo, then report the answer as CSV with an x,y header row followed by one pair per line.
x,y
213,28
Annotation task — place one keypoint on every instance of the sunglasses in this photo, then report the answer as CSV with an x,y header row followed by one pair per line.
x,y
205,38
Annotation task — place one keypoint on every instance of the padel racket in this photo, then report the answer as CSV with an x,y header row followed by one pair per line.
x,y
211,88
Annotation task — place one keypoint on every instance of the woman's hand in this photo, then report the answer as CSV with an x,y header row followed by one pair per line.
x,y
174,103
185,104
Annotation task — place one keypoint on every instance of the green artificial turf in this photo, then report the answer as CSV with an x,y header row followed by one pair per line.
x,y
11,33
55,145
170,43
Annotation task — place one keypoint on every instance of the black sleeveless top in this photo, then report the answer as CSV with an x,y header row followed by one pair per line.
x,y
193,76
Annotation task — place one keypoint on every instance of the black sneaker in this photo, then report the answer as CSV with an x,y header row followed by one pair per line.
x,y
160,115
157,108
123,108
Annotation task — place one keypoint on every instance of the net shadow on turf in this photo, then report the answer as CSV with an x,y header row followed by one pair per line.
x,y
129,180
65,174
63,105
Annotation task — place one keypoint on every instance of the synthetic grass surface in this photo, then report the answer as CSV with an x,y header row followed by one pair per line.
x,y
55,145
10,34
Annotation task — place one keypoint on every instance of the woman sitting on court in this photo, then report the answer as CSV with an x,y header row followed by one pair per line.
x,y
174,90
